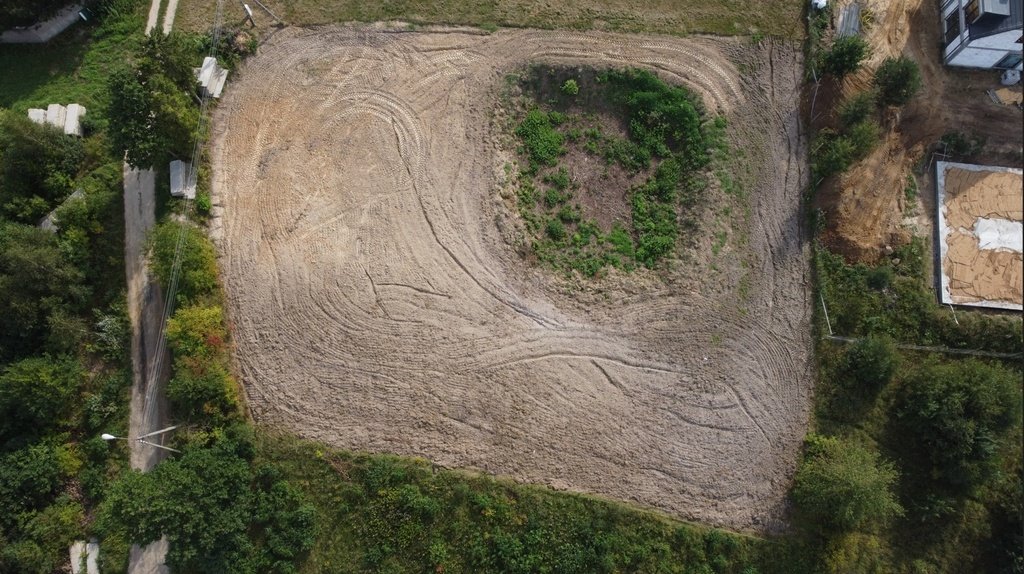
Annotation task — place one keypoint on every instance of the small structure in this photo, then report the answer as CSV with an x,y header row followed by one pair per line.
x,y
981,235
67,118
211,77
182,181
983,33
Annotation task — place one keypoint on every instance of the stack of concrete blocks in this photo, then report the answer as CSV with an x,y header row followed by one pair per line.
x,y
87,553
211,76
182,182
68,118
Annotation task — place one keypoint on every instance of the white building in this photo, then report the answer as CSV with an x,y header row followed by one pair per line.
x,y
982,33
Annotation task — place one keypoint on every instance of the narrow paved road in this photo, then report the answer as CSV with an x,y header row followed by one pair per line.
x,y
149,357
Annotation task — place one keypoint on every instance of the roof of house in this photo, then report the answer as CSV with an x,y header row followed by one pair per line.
x,y
992,24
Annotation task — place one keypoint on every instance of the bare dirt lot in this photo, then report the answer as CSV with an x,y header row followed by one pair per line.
x,y
376,304
866,206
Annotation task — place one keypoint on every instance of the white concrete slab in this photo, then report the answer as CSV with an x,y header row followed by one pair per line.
x,y
207,70
55,114
77,553
92,551
182,184
72,119
37,115
218,81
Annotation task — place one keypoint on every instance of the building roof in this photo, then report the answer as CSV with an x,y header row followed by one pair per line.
x,y
992,24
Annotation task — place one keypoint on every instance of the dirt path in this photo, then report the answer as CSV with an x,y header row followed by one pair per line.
x,y
148,410
376,305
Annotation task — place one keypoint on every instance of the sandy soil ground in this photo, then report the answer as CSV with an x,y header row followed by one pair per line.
x,y
866,207
376,304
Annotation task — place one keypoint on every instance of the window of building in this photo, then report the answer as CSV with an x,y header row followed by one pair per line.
x,y
952,26
1010,60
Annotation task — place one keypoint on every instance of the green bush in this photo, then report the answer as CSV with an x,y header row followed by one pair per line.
x,y
863,137
841,486
543,143
897,80
955,415
570,87
38,394
833,153
220,514
871,361
856,109
197,277
555,230
845,56
38,164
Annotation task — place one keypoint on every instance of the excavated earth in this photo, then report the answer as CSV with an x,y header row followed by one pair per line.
x,y
361,210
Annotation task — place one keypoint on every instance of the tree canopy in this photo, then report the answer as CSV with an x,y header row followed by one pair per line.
x,y
956,413
843,486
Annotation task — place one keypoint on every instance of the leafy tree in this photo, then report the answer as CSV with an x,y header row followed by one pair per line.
x,y
43,538
132,130
842,486
28,478
897,80
217,513
845,56
152,113
956,413
832,154
198,264
871,361
35,282
197,332
37,166
37,394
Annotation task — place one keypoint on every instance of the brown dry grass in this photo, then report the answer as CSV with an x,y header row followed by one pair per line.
x,y
783,18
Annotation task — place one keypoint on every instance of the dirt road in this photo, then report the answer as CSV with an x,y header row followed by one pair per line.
x,y
145,311
376,305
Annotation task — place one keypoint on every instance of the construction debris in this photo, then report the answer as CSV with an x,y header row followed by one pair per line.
x,y
981,235
67,118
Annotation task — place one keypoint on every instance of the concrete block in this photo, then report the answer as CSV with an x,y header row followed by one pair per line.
x,y
37,115
72,119
218,81
182,184
207,70
55,115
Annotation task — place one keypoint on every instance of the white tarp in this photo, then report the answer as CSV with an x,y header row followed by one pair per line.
x,y
999,234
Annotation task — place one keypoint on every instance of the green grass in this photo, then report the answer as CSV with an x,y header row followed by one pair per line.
x,y
382,513
74,66
782,18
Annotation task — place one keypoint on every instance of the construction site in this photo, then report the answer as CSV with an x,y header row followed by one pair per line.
x,y
357,189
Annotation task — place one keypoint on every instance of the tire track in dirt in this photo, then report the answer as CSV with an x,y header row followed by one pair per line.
x,y
378,307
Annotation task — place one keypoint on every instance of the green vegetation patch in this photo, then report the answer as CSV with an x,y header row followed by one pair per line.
x,y
650,141
391,514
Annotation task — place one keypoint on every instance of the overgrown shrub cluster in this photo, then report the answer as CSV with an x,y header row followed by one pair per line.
x,y
668,138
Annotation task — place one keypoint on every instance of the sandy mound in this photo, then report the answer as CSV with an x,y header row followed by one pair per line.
x,y
376,306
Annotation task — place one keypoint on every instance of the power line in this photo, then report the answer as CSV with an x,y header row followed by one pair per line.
x,y
192,180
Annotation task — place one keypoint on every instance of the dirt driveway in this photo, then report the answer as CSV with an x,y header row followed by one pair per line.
x,y
376,306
